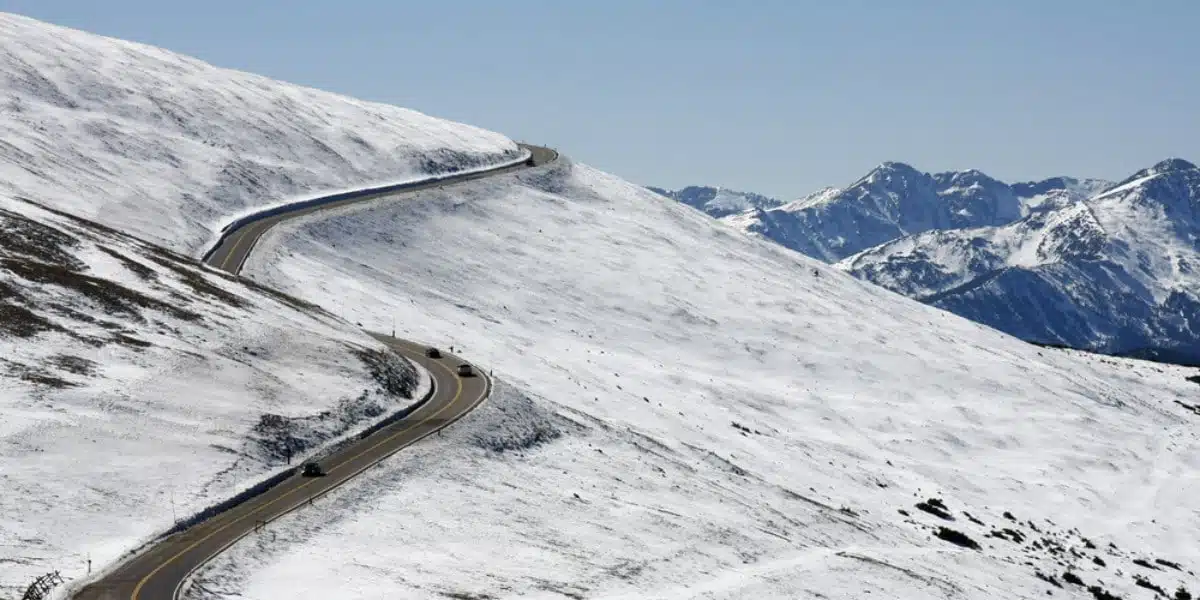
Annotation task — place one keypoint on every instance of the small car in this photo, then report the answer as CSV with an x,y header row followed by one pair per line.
x,y
464,370
311,469
432,352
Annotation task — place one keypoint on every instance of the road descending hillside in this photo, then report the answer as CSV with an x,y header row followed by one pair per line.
x,y
140,388
159,570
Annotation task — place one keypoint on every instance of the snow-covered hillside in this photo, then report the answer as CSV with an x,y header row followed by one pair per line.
x,y
137,387
895,200
167,147
683,411
718,202
1118,272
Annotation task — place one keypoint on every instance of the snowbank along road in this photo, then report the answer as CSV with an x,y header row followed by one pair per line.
x,y
157,572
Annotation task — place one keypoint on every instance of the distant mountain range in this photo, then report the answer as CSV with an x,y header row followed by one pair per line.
x,y
718,202
1085,263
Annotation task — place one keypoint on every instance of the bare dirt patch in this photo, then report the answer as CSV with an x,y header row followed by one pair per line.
x,y
142,271
73,364
18,321
23,237
112,297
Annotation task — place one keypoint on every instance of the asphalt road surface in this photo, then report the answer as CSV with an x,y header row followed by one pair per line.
x,y
158,572
236,245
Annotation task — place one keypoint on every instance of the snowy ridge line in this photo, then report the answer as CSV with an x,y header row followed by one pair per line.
x,y
185,581
69,589
346,194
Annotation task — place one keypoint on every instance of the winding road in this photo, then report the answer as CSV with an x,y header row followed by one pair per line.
x,y
158,572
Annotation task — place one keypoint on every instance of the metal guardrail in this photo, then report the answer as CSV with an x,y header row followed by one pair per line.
x,y
244,220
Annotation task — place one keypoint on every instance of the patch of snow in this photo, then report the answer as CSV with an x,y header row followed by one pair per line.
x,y
1125,187
818,197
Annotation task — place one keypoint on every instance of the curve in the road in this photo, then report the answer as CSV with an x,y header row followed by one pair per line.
x,y
230,253
157,572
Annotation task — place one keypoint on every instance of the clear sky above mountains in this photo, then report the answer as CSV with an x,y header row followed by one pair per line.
x,y
777,97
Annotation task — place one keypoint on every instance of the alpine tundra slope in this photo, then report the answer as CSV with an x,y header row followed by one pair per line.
x,y
157,572
682,411
163,146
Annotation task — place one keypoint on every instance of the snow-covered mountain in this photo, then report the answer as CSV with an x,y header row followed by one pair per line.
x,y
134,383
686,412
680,411
1118,272
895,200
168,147
718,202
1083,263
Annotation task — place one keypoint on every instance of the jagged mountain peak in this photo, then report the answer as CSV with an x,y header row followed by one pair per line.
x,y
1173,164
897,166
966,177
894,190
1163,167
892,171
1044,186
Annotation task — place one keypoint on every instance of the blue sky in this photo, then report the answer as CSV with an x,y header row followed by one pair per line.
x,y
778,97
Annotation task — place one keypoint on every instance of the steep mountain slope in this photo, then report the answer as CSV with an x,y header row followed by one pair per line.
x,y
138,387
717,202
167,147
895,200
1116,272
683,411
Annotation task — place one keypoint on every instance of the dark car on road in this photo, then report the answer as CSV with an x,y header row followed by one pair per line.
x,y
465,370
311,469
432,352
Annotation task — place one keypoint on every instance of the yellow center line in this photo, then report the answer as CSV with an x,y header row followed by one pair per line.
x,y
138,588
237,242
